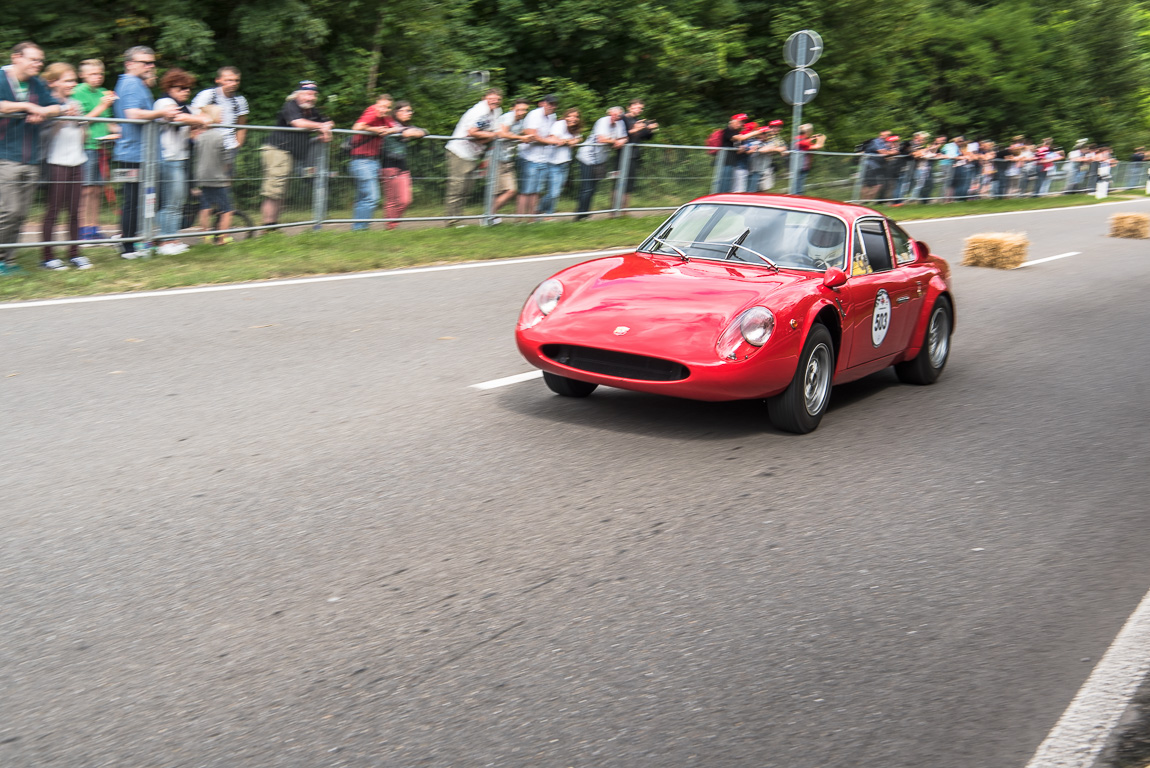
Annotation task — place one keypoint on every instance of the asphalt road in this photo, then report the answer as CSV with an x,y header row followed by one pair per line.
x,y
275,527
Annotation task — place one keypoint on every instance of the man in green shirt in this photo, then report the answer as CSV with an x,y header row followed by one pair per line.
x,y
96,101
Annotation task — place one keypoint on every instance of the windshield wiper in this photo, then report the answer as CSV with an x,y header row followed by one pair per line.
x,y
736,246
739,241
665,244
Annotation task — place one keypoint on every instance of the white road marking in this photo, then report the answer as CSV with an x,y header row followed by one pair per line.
x,y
494,383
1048,258
912,222
306,280
1084,728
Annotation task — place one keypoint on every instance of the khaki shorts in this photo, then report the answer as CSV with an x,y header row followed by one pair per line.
x,y
277,165
506,181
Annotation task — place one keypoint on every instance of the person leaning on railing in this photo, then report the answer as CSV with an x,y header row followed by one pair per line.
x,y
395,172
26,103
282,149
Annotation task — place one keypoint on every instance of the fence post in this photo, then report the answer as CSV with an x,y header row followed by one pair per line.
x,y
717,173
150,175
621,179
492,182
856,193
319,200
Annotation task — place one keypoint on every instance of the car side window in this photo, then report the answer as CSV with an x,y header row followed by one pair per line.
x,y
903,249
874,248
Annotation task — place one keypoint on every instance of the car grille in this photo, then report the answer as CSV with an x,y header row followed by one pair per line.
x,y
620,364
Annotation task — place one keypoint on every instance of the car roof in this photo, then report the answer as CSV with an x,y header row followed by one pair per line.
x,y
848,211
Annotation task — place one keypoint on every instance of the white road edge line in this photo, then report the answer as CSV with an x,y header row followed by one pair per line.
x,y
1084,728
494,383
306,280
1048,258
912,222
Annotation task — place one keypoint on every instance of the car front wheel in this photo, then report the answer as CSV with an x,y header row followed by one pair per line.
x,y
801,406
561,385
927,365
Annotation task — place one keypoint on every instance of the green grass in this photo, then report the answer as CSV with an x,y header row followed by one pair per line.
x,y
974,207
329,251
312,253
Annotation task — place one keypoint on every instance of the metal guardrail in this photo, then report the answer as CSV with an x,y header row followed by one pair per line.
x,y
322,185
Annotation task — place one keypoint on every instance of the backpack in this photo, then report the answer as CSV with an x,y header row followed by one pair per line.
x,y
715,140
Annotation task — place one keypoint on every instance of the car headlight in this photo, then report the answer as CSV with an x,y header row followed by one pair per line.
x,y
542,303
746,333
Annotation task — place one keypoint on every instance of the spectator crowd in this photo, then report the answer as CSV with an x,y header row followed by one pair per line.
x,y
533,151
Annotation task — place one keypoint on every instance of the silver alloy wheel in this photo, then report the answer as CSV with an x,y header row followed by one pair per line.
x,y
938,337
817,379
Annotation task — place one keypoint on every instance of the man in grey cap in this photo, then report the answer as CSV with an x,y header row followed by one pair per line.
x,y
537,127
610,132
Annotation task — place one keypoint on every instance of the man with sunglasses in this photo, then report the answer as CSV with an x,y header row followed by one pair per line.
x,y
135,102
25,103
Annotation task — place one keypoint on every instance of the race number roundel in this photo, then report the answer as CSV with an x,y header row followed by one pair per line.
x,y
881,319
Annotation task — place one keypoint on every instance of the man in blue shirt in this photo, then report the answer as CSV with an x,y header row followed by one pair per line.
x,y
25,103
135,102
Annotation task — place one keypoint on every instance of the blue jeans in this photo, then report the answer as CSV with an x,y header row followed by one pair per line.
x,y
555,178
365,171
173,193
532,177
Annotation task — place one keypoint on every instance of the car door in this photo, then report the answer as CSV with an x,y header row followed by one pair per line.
x,y
881,317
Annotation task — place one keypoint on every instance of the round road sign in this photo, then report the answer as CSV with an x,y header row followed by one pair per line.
x,y
800,86
803,49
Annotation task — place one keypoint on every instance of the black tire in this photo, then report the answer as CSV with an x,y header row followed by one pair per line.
x,y
927,365
801,406
239,219
561,385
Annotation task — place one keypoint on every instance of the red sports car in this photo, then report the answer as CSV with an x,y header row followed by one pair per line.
x,y
741,296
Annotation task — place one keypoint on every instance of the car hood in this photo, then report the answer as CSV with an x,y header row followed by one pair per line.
x,y
664,307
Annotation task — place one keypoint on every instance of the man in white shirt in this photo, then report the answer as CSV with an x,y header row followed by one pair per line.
x,y
474,131
233,109
535,153
610,132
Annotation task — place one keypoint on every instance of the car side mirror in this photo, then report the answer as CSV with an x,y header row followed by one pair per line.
x,y
921,250
834,277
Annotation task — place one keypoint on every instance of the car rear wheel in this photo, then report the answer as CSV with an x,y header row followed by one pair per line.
x,y
561,385
801,406
927,365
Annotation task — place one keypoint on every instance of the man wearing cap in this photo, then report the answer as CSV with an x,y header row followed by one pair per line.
x,y
729,140
535,153
766,158
283,149
475,130
808,141
610,132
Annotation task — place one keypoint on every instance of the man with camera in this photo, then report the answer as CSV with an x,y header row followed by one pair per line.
x,y
474,131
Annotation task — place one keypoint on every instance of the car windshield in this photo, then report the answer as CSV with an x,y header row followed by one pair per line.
x,y
793,239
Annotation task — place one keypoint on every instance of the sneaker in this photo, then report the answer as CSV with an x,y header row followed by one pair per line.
x,y
171,249
225,240
10,268
496,221
55,265
81,262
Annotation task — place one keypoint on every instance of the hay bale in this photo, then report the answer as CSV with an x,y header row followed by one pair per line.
x,y
1132,225
1001,250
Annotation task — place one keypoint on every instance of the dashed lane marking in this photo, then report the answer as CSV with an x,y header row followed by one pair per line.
x,y
1048,258
1085,727
506,380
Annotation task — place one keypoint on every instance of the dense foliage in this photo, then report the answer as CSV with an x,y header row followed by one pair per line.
x,y
1066,68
